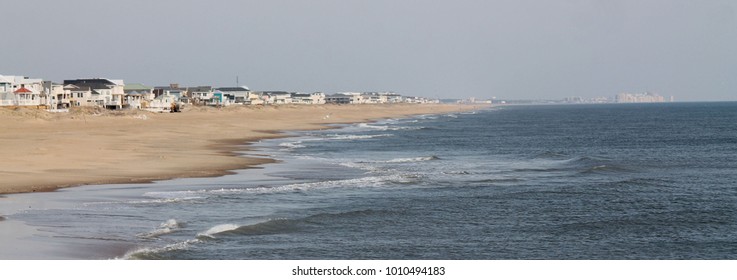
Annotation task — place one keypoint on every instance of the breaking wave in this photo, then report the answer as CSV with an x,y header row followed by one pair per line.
x,y
167,227
355,137
292,145
415,159
273,226
158,253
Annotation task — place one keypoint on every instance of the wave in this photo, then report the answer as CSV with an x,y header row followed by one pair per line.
x,y
370,181
157,253
355,137
373,126
210,233
604,168
282,225
365,164
273,226
167,227
292,145
387,127
165,200
415,159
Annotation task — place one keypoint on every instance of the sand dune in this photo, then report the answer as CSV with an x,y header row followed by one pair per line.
x,y
43,151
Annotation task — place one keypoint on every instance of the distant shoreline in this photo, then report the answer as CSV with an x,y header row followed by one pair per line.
x,y
46,151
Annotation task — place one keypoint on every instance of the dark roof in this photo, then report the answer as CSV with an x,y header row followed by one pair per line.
x,y
92,83
232,89
81,88
200,88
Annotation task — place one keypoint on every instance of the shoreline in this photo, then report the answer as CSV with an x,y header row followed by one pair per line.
x,y
46,152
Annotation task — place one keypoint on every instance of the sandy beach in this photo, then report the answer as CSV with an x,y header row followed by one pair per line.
x,y
43,151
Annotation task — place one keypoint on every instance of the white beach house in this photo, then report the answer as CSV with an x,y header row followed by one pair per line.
x,y
20,91
137,96
100,92
308,98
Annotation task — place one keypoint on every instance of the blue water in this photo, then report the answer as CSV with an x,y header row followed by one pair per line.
x,y
630,181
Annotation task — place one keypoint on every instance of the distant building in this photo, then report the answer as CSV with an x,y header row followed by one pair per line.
x,y
308,98
338,99
57,97
237,95
200,94
646,97
101,92
21,91
276,97
138,96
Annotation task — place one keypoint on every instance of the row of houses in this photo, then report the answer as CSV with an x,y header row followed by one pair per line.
x,y
115,94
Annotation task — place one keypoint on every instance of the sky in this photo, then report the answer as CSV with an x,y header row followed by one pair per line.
x,y
515,49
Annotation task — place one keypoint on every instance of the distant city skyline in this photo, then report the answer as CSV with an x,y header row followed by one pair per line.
x,y
451,49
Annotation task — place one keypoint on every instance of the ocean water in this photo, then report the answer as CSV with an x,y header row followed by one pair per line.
x,y
621,181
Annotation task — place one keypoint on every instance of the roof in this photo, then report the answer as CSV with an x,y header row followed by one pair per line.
x,y
78,88
233,89
89,81
199,88
92,83
23,90
136,87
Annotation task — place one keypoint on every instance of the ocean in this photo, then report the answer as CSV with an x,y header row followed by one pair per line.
x,y
610,181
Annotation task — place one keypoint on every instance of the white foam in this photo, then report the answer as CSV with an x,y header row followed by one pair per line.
x,y
164,200
292,145
167,227
355,137
415,159
135,254
218,229
387,127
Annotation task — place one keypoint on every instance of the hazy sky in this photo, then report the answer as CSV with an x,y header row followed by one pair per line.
x,y
449,49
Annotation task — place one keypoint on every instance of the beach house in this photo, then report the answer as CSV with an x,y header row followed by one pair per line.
x,y
100,92
276,97
393,97
137,96
21,91
199,95
346,98
238,95
338,99
57,98
167,99
308,98
172,90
